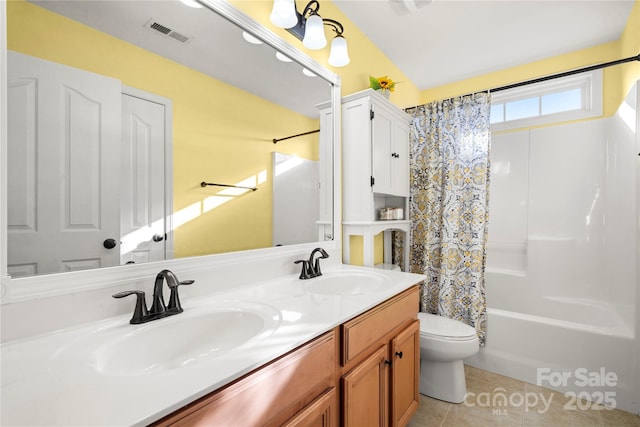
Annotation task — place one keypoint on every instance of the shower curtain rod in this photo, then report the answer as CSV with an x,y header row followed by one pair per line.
x,y
568,73
558,75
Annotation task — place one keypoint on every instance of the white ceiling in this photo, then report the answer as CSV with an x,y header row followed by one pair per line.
x,y
445,41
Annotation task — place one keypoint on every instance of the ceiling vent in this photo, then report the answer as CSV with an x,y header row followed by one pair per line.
x,y
166,31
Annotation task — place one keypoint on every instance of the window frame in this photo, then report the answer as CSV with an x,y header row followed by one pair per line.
x,y
589,83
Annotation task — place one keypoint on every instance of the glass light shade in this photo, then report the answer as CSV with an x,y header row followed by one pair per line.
x,y
314,33
308,73
282,57
251,38
339,56
283,13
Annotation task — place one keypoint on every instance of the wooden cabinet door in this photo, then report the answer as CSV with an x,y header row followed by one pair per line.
x,y
405,374
322,412
364,391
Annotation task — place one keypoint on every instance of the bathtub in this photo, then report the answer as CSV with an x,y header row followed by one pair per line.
x,y
582,347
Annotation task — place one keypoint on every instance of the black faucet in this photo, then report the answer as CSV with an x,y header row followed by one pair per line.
x,y
158,309
311,268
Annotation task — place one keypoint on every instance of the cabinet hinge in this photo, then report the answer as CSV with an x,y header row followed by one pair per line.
x,y
373,181
371,114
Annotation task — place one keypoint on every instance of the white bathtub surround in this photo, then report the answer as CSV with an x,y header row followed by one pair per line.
x,y
74,376
448,205
562,264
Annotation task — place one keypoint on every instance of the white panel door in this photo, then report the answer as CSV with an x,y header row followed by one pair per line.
x,y
63,173
142,225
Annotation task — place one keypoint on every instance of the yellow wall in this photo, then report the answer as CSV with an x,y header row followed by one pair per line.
x,y
211,139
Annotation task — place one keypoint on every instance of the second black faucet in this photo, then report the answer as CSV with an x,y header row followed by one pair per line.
x,y
311,267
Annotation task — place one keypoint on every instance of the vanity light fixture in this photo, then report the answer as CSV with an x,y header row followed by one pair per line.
x,y
308,26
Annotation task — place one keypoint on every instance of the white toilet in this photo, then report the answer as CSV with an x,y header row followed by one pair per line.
x,y
444,343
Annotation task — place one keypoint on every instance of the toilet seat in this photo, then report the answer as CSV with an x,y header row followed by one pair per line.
x,y
434,326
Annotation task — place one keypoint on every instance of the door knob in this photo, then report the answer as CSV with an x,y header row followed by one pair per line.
x,y
158,237
109,243
399,354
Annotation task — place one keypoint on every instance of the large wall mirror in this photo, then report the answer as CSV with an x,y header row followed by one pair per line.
x,y
144,130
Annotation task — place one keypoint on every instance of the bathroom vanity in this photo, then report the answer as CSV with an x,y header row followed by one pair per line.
x,y
363,372
340,348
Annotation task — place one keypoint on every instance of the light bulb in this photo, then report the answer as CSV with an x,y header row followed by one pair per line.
x,y
339,56
283,13
314,33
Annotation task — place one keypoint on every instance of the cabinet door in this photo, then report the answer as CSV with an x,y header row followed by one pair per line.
x,y
382,131
364,391
405,374
400,159
322,412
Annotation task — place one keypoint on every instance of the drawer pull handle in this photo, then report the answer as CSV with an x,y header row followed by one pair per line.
x,y
399,354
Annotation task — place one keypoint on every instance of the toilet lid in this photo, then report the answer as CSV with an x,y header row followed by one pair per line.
x,y
439,326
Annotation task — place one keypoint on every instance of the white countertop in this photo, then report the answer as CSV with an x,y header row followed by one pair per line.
x,y
58,378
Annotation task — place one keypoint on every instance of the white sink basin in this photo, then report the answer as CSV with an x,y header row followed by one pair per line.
x,y
347,283
195,335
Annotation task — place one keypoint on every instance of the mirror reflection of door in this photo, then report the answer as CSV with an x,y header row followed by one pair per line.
x,y
143,235
64,146
87,184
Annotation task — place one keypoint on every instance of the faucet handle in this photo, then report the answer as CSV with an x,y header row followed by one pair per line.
x,y
184,282
140,311
174,298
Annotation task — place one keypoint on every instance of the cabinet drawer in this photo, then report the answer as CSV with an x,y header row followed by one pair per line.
x,y
367,329
277,390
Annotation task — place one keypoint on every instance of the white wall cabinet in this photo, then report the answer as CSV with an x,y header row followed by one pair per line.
x,y
375,170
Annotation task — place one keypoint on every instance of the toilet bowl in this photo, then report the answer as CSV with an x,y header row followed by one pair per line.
x,y
444,343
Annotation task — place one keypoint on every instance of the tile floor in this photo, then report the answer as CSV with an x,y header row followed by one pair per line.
x,y
483,386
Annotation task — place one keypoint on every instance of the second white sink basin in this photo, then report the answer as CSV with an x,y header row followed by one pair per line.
x,y
347,283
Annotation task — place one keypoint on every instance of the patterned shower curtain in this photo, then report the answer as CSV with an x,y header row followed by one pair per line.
x,y
449,163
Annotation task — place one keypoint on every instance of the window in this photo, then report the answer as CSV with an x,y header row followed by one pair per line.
x,y
566,98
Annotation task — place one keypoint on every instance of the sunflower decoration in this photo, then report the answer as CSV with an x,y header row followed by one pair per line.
x,y
383,82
